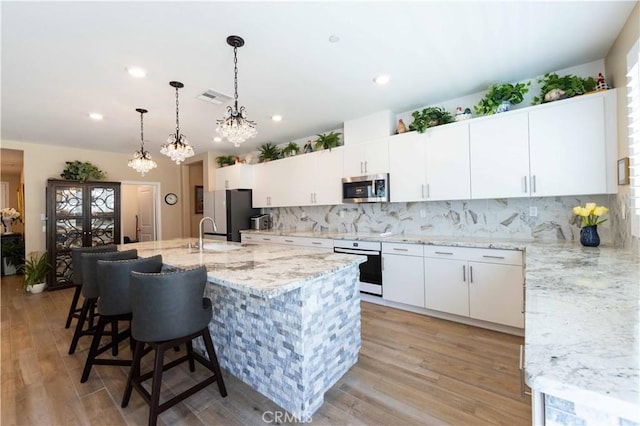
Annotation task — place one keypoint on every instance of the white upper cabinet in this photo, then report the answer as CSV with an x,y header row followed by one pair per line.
x,y
567,148
407,172
238,176
272,186
430,166
499,152
447,162
317,178
366,158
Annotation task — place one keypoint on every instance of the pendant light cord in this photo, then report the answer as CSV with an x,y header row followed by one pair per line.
x,y
235,78
141,133
177,117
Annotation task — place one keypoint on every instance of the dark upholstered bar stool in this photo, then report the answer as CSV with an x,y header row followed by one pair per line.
x,y
76,276
169,309
90,292
114,305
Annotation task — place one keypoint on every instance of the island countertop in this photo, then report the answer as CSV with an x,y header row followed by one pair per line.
x,y
257,269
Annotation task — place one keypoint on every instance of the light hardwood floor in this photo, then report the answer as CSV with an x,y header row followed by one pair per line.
x,y
412,369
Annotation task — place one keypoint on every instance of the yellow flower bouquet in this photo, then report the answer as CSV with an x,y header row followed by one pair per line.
x,y
591,213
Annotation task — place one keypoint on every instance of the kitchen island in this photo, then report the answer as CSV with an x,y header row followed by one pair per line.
x,y
286,320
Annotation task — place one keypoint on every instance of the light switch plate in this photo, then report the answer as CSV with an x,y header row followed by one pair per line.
x,y
533,211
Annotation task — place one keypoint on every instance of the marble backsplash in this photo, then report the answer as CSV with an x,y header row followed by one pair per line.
x,y
495,218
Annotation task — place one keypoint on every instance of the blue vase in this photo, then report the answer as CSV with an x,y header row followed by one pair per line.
x,y
503,107
589,236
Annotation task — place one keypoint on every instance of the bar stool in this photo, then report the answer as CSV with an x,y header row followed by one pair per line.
x,y
169,309
76,277
90,292
114,305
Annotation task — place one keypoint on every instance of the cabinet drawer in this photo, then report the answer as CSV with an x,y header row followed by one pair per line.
x,y
316,242
262,238
403,249
504,257
448,252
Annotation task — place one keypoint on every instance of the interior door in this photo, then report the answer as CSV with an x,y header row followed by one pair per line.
x,y
146,213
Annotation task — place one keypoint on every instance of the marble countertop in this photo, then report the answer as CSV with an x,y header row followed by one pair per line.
x,y
261,270
462,241
582,320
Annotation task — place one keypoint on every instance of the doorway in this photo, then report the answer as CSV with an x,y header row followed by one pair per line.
x,y
140,209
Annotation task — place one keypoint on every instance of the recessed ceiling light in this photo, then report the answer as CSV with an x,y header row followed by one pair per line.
x,y
136,72
381,79
334,38
217,139
95,116
276,117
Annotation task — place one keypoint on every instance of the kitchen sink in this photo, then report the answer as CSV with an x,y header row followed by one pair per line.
x,y
219,247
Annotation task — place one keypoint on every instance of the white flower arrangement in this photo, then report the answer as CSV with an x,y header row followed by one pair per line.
x,y
10,213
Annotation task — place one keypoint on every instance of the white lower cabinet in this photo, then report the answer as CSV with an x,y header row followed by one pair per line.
x,y
483,284
258,238
403,273
446,288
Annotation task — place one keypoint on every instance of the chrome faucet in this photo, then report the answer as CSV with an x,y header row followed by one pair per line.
x,y
200,226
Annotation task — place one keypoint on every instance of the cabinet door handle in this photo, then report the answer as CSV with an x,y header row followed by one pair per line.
x,y
470,273
365,167
315,197
428,192
316,243
226,183
464,273
361,167
533,184
266,239
492,257
444,252
524,294
312,198
288,241
400,249
422,191
524,181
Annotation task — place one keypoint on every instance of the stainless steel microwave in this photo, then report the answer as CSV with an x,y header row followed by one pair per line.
x,y
366,189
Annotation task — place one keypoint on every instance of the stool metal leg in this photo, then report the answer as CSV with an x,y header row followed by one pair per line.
x,y
192,362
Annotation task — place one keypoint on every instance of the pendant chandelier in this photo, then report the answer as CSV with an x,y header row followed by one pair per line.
x,y
177,147
235,126
141,161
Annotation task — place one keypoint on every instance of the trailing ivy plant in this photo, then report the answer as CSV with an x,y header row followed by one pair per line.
x,y
82,171
429,117
498,93
570,85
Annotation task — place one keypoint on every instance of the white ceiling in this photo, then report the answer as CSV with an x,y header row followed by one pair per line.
x,y
62,60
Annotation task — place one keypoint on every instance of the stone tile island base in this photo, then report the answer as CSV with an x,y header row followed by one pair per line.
x,y
293,347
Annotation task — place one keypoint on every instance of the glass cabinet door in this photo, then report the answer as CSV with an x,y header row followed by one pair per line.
x,y
103,216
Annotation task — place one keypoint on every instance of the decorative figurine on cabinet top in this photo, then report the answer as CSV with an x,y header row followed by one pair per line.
x,y
601,84
462,115
401,128
308,147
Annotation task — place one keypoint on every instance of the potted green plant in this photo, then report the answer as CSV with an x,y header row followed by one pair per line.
x,y
328,140
13,254
35,270
268,152
226,160
429,117
82,171
553,87
291,149
500,97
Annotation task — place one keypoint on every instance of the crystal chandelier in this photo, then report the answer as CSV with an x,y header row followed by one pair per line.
x,y
235,126
141,161
177,147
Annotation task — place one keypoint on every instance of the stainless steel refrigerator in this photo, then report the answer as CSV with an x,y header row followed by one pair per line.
x,y
231,210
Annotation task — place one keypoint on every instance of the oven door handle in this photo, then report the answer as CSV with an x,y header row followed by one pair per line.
x,y
361,252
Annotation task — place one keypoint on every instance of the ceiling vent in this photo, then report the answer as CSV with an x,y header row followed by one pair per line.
x,y
214,97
